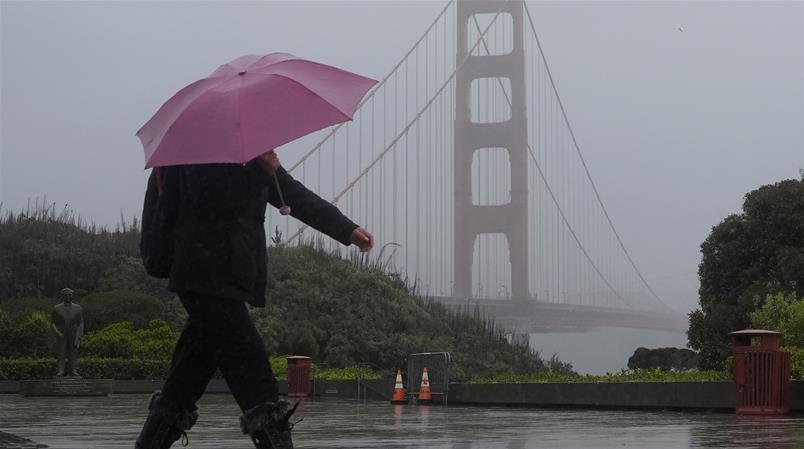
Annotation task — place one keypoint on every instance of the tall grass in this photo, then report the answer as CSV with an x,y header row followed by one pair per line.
x,y
44,248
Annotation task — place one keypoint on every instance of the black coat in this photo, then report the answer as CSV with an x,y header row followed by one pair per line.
x,y
219,239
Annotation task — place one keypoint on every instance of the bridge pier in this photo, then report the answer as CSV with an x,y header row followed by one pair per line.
x,y
510,219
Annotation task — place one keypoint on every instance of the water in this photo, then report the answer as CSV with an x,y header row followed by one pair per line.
x,y
604,350
114,422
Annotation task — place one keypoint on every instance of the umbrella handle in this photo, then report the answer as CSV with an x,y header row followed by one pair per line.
x,y
284,209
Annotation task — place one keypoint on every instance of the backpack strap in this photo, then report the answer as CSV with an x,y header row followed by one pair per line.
x,y
158,179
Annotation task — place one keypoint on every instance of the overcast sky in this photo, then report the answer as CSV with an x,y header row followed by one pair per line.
x,y
679,108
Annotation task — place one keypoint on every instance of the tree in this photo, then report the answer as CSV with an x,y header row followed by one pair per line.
x,y
746,257
668,359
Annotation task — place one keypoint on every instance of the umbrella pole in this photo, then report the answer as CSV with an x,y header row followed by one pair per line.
x,y
284,209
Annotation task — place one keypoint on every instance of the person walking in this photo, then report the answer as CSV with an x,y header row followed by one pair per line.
x,y
219,265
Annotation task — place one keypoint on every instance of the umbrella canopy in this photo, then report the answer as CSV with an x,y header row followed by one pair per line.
x,y
249,106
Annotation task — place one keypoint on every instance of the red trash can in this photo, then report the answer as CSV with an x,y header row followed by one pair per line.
x,y
761,373
299,376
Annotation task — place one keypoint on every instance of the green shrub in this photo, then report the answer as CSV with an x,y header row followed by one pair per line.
x,y
105,308
279,364
18,369
796,362
122,340
785,314
111,368
349,373
25,335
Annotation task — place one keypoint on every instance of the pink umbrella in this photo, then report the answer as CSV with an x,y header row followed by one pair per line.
x,y
249,106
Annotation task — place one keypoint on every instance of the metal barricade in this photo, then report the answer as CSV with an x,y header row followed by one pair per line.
x,y
437,364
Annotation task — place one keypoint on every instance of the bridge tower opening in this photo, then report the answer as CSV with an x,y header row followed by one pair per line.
x,y
491,266
471,135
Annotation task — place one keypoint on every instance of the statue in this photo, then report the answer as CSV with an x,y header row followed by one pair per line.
x,y
68,326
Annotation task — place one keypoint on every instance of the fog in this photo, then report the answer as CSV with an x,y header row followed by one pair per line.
x,y
678,108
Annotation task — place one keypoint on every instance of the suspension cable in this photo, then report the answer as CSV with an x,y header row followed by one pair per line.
x,y
376,87
415,119
583,161
550,190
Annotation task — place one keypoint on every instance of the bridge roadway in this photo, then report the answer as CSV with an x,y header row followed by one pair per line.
x,y
531,316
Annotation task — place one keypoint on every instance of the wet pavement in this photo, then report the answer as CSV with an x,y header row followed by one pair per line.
x,y
114,422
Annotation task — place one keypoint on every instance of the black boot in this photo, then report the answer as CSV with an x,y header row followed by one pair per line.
x,y
269,425
165,424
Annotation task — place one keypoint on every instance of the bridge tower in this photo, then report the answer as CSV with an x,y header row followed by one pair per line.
x,y
509,219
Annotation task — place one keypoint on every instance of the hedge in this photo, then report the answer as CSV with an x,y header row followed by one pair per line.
x,y
637,375
118,368
88,367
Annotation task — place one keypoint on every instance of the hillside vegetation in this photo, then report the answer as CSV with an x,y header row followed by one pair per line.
x,y
342,313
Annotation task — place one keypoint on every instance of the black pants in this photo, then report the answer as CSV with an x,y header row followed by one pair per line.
x,y
219,334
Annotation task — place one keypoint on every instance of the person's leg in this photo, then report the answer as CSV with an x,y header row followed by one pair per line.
x,y
238,350
166,423
172,411
234,345
193,363
268,424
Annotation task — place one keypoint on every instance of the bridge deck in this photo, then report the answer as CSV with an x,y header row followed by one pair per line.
x,y
531,316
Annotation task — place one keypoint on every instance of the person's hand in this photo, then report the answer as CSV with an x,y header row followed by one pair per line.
x,y
363,239
268,162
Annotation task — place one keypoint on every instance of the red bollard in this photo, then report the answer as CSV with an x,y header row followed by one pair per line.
x,y
761,373
299,376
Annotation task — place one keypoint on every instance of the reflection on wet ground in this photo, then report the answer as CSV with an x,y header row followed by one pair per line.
x,y
114,422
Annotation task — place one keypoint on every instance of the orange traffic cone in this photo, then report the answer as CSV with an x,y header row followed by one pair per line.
x,y
399,390
425,395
